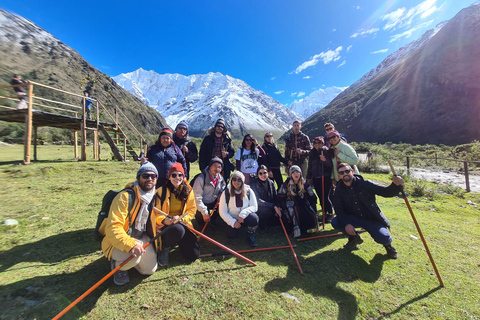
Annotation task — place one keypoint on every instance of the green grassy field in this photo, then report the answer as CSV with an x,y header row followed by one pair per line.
x,y
51,258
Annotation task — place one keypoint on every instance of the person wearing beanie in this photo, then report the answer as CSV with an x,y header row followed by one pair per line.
x,y
217,143
177,200
164,154
130,224
341,152
238,207
319,175
297,147
298,203
185,144
207,187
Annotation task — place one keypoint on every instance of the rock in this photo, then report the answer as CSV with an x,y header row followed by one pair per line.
x,y
469,202
31,303
289,296
10,222
413,237
145,306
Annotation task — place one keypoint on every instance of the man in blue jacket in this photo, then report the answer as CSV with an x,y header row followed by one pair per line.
x,y
355,207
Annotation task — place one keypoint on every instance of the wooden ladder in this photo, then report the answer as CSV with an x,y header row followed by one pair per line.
x,y
117,140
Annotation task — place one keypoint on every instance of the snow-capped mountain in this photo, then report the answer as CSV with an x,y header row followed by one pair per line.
x,y
316,101
203,98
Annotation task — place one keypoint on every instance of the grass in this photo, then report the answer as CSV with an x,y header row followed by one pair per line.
x,y
50,258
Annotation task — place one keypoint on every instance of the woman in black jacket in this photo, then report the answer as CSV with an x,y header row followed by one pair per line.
x,y
273,159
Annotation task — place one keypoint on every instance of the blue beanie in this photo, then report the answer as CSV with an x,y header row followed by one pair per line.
x,y
182,123
147,166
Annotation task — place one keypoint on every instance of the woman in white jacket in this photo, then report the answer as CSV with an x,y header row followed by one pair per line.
x,y
238,207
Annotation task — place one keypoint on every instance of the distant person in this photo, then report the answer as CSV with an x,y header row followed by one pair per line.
x,y
342,152
208,187
217,143
273,159
163,154
88,104
20,91
297,148
247,156
238,207
329,127
185,144
319,174
126,232
355,207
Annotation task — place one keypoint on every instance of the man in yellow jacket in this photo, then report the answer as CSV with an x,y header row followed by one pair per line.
x,y
127,232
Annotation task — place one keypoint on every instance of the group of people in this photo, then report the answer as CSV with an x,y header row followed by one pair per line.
x,y
254,196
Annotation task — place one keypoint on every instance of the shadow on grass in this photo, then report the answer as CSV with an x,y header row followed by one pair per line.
x,y
52,250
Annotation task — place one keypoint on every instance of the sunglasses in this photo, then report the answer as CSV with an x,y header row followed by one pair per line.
x,y
332,137
268,136
182,128
328,129
236,180
174,175
341,173
248,139
152,176
262,173
220,126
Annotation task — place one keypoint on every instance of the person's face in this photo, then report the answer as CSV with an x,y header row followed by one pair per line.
x,y
334,140
346,174
296,127
165,140
329,129
176,178
248,142
181,132
237,183
147,180
269,138
263,174
318,145
296,176
215,169
219,129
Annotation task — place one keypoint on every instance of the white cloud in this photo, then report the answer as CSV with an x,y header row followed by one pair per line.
x,y
326,57
362,32
307,77
279,92
341,64
379,51
293,94
334,30
349,47
273,78
358,7
301,94
408,33
403,18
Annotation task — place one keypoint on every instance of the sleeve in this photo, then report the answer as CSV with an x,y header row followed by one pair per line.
x,y
230,149
192,154
390,191
117,223
252,205
238,155
348,155
223,211
202,157
190,209
260,152
198,186
180,158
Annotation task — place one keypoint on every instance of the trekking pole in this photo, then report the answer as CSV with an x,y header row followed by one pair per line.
x,y
290,245
95,286
323,198
243,251
209,239
211,214
325,236
418,228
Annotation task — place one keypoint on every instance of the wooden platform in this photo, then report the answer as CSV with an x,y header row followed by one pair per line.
x,y
46,119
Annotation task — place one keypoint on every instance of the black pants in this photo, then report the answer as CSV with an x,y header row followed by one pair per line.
x,y
199,215
324,192
250,221
186,240
277,177
266,217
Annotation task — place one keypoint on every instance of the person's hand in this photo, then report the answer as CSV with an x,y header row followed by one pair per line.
x,y
398,180
143,160
299,151
350,230
278,212
240,219
322,157
167,221
137,250
237,225
184,149
176,219
206,218
337,152
224,154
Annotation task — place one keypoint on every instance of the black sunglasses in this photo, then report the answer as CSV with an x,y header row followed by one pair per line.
x,y
174,175
248,139
152,176
268,136
236,180
181,128
344,172
220,126
262,173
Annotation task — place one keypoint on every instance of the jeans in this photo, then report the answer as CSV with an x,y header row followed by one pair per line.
x,y
376,229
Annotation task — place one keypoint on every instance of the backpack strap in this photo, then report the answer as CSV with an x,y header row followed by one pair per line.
x,y
131,200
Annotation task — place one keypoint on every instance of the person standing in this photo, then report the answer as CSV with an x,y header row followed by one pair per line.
x,y
273,159
185,144
20,91
297,148
342,152
217,143
88,103
247,156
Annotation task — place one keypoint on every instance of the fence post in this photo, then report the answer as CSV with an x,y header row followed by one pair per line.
x,y
28,125
436,163
467,182
75,139
408,163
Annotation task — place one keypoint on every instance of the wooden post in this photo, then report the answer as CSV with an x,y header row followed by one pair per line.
x,y
95,143
83,128
408,163
124,148
467,182
35,143
436,160
28,126
98,115
75,140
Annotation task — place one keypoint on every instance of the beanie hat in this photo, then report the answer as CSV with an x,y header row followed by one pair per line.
x,y
147,166
295,168
239,174
332,134
319,139
215,159
177,166
221,121
166,131
182,123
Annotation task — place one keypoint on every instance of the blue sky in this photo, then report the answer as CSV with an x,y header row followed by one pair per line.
x,y
286,48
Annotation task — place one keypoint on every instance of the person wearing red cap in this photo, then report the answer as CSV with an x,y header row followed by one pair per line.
x,y
164,154
176,198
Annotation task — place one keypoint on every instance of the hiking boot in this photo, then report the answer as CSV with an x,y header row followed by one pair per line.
x,y
329,217
391,252
162,257
120,277
296,232
352,242
251,240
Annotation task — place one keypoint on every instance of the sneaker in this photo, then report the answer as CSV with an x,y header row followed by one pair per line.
x,y
251,240
391,252
120,277
352,242
162,257
296,232
329,218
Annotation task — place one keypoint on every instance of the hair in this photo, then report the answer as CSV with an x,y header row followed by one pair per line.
x,y
243,192
253,148
328,124
301,187
261,167
180,195
268,133
297,121
343,165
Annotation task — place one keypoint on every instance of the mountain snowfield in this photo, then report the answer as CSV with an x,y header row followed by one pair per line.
x,y
316,101
203,98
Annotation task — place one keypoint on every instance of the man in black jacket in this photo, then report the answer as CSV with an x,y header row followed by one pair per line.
x,y
185,144
355,207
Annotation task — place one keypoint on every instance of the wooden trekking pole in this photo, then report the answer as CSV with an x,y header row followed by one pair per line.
x,y
243,251
95,286
323,198
209,239
418,229
290,245
213,211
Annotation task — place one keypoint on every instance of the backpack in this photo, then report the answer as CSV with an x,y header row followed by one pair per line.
x,y
106,203
196,176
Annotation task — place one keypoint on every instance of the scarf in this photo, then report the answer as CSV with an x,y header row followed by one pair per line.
x,y
142,216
